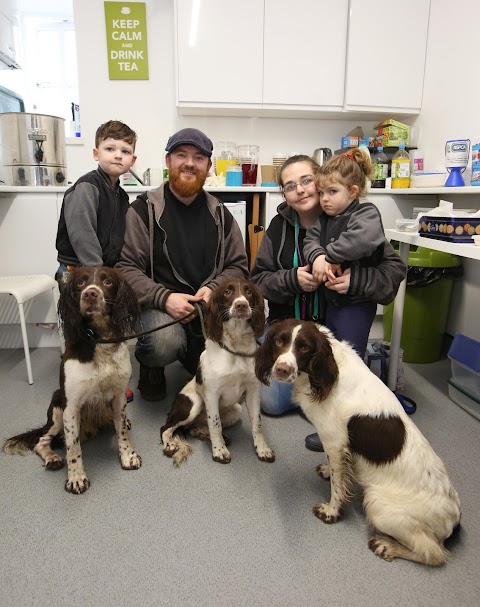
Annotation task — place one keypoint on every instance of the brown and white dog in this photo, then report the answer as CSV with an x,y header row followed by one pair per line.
x,y
235,318
93,376
408,498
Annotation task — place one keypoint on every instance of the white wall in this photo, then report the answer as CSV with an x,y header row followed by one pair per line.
x,y
451,94
149,106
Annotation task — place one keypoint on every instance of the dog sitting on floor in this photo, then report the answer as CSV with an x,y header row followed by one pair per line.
x,y
408,498
96,303
234,319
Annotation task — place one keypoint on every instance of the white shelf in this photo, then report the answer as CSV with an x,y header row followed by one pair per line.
x,y
440,190
372,191
74,141
470,251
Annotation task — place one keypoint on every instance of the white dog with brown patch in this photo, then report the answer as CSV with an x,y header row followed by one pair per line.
x,y
408,498
235,319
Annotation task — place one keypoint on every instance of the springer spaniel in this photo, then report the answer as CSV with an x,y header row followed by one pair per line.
x,y
93,376
235,318
408,498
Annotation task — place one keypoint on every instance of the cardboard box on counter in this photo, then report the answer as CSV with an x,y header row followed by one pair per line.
x,y
354,138
390,133
354,142
350,141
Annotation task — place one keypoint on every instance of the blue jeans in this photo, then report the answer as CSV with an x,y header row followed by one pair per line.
x,y
352,323
275,399
177,342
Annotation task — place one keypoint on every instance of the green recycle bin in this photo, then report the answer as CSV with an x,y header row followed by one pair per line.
x,y
429,288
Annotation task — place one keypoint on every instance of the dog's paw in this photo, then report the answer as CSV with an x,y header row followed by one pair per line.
x,y
77,483
266,455
221,455
130,460
323,470
326,513
382,547
169,449
54,462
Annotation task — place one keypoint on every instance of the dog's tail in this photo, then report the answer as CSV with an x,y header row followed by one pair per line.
x,y
174,445
23,443
183,449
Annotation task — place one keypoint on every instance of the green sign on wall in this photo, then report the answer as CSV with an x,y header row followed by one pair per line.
x,y
126,26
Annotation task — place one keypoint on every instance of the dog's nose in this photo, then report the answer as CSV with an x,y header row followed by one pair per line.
x,y
241,306
90,294
283,370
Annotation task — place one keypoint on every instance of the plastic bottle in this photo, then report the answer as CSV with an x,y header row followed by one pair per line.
x,y
380,164
364,148
401,168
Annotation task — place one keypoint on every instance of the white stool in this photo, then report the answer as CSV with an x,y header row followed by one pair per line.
x,y
23,288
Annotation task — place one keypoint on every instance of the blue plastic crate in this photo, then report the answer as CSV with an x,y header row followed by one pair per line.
x,y
465,356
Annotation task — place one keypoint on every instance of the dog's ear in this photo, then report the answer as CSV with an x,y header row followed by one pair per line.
x,y
213,317
264,358
69,310
126,310
323,369
258,311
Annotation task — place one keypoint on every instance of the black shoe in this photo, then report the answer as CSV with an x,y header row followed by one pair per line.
x,y
152,384
312,442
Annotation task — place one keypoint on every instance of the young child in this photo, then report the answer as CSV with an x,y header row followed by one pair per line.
x,y
91,228
346,233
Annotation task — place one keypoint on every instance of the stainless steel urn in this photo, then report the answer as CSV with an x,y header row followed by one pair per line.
x,y
32,150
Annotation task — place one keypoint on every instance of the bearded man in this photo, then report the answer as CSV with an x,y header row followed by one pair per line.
x,y
180,243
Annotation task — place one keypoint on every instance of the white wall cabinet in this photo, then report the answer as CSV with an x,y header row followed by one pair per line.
x,y
266,55
304,64
219,48
386,52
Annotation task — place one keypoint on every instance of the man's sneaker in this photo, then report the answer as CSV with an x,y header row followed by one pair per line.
x,y
152,384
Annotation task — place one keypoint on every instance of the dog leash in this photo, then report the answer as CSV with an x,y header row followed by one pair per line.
x,y
115,340
198,308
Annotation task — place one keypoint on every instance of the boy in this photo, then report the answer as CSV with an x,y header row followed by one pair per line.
x,y
92,221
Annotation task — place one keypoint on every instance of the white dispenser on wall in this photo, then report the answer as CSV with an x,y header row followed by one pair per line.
x,y
457,152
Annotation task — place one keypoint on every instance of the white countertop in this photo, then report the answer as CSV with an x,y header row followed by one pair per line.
x,y
131,189
143,188
462,249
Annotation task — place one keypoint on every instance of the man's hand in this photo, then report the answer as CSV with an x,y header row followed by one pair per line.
x,y
179,305
204,293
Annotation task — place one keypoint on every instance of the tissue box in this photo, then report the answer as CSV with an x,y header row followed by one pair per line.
x,y
452,229
390,133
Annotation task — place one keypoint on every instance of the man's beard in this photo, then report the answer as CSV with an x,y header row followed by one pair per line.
x,y
183,188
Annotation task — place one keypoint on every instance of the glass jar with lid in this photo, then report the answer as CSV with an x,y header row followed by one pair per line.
x,y
225,153
248,156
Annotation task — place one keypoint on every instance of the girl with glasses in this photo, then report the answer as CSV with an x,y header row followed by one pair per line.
x,y
284,275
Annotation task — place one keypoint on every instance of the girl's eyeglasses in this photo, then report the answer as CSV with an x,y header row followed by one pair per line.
x,y
304,182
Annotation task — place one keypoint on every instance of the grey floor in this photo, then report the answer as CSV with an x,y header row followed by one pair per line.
x,y
209,534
